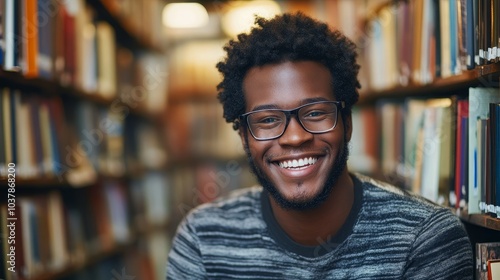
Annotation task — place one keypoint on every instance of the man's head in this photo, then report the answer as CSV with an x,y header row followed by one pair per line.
x,y
286,63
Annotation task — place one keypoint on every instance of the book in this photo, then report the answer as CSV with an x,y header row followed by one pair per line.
x,y
477,41
66,63
391,138
25,167
57,236
2,33
455,67
12,35
118,209
4,242
445,36
364,153
461,164
462,34
494,269
106,60
86,52
494,136
485,251
470,34
3,157
481,159
46,42
36,137
30,38
412,155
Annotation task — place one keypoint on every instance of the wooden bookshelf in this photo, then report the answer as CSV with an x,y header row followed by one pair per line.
x,y
404,75
482,220
88,261
125,31
54,88
50,114
487,75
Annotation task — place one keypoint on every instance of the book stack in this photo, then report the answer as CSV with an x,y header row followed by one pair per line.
x,y
445,149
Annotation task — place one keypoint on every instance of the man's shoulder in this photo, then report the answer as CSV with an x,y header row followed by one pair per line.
x,y
402,211
385,197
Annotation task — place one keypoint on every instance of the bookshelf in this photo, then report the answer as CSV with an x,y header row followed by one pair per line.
x,y
472,70
82,155
416,54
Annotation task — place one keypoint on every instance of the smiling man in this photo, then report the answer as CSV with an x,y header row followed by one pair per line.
x,y
288,88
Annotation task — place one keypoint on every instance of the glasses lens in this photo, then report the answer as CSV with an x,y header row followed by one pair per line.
x,y
267,123
318,117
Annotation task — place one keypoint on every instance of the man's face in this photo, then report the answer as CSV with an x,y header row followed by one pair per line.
x,y
323,156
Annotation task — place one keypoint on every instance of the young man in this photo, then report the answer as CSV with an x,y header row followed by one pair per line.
x,y
288,87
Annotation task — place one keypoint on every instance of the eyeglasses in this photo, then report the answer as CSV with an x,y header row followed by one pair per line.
x,y
315,117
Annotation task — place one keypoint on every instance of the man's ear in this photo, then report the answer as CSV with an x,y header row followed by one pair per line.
x,y
242,134
244,139
348,126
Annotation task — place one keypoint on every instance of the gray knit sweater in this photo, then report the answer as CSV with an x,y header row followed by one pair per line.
x,y
389,234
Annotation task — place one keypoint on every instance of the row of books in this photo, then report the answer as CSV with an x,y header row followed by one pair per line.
x,y
416,42
73,140
44,37
57,230
445,149
28,134
488,260
201,131
69,43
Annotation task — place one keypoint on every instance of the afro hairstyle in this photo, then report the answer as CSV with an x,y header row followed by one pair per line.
x,y
287,37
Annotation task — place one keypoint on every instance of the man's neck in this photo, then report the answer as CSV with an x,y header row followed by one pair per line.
x,y
315,226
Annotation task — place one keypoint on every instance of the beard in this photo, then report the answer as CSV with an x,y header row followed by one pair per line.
x,y
334,173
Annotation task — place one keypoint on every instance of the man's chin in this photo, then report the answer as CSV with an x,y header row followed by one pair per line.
x,y
297,204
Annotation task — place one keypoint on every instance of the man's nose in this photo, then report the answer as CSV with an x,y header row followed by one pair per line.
x,y
295,134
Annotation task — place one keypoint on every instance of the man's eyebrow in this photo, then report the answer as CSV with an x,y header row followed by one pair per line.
x,y
274,106
264,107
314,99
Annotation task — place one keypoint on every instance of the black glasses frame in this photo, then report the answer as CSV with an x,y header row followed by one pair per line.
x,y
289,113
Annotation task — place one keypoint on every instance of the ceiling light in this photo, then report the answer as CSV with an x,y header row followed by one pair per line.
x,y
184,15
241,15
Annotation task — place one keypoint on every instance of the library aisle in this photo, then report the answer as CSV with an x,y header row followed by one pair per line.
x,y
111,131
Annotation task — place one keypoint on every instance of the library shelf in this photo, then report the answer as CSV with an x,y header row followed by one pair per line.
x,y
87,261
482,220
124,30
487,75
58,98
41,86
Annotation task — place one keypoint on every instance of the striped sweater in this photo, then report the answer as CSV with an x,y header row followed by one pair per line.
x,y
390,234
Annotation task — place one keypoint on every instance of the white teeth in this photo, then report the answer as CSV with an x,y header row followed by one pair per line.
x,y
298,163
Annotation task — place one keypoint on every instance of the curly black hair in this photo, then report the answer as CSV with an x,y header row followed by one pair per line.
x,y
287,37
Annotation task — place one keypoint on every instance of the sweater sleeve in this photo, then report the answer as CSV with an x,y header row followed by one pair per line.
x,y
184,259
442,250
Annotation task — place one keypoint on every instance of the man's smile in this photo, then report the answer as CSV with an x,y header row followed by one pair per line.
x,y
297,163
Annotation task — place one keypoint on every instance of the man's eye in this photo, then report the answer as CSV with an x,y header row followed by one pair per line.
x,y
315,114
269,120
